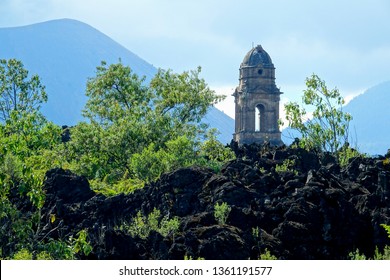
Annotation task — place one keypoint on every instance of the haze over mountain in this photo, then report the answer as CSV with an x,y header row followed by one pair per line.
x,y
65,53
371,119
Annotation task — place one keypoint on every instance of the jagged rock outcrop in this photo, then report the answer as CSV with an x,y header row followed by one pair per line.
x,y
314,209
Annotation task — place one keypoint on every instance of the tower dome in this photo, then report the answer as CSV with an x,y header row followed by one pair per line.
x,y
257,56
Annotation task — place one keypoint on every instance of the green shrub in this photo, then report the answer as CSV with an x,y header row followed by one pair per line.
x,y
387,228
221,212
169,226
23,254
287,165
386,162
81,244
385,255
66,250
58,250
44,256
141,226
190,258
256,232
356,255
125,186
267,256
346,153
214,154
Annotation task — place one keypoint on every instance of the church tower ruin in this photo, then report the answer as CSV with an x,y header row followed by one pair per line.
x,y
257,100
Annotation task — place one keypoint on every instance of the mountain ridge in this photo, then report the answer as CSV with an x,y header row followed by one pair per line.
x,y
369,123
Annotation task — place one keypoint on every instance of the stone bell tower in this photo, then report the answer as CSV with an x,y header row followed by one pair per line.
x,y
257,100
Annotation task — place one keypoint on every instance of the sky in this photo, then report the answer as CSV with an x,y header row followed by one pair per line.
x,y
346,43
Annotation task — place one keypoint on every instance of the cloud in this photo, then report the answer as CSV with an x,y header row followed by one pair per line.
x,y
227,105
351,95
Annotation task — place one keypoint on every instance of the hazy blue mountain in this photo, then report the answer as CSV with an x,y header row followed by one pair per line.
x,y
370,127
64,53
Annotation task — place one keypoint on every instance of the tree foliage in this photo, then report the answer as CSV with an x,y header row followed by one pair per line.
x,y
171,105
19,93
139,128
328,127
115,93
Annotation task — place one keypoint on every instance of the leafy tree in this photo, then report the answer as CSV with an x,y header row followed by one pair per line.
x,y
182,100
19,94
171,105
27,150
134,125
327,129
83,152
115,93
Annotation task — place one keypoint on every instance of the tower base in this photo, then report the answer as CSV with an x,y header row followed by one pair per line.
x,y
258,137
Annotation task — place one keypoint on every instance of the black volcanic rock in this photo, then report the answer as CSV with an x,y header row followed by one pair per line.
x,y
320,211
62,184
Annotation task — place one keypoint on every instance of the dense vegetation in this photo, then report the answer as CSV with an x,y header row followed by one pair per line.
x,y
135,130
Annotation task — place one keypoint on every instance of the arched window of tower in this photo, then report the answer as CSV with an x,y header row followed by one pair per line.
x,y
259,118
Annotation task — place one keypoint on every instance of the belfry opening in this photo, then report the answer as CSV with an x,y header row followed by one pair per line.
x,y
259,118
257,100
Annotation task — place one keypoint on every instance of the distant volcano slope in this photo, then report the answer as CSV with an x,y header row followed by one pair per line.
x,y
370,126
